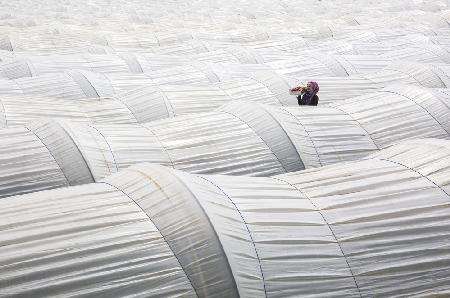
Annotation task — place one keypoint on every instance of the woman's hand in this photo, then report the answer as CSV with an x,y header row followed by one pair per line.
x,y
299,88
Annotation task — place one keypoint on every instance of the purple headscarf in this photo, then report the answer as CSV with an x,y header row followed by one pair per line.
x,y
314,87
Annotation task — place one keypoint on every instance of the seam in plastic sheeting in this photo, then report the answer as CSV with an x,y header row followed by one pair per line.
x,y
417,172
307,132
441,75
413,142
246,227
368,77
51,153
327,64
86,61
359,123
132,62
444,54
79,78
174,174
78,148
331,31
7,42
107,143
224,91
31,69
203,44
262,107
157,39
76,169
205,72
350,64
139,206
128,107
82,109
410,99
160,143
270,149
5,115
166,101
84,78
268,88
220,255
329,226
99,148
108,79
411,76
253,86
16,69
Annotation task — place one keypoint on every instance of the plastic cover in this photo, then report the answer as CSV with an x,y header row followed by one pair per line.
x,y
377,227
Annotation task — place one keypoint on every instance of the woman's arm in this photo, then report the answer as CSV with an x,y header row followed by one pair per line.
x,y
295,90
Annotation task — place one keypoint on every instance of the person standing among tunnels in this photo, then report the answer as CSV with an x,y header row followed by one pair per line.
x,y
308,95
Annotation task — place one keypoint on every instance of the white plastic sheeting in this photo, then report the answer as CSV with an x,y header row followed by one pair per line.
x,y
19,110
81,84
166,101
84,84
138,105
333,89
70,40
36,65
241,138
271,87
378,227
313,62
74,27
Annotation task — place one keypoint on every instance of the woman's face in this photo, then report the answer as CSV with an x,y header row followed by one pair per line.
x,y
308,88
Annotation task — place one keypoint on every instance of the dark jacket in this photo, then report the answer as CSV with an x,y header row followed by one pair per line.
x,y
303,100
